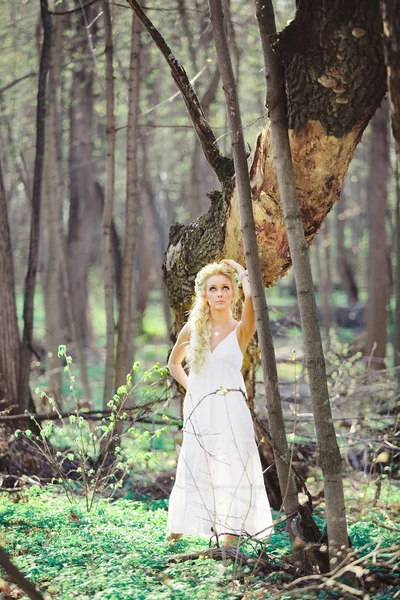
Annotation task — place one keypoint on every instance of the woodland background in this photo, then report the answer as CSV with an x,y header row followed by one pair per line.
x,y
161,178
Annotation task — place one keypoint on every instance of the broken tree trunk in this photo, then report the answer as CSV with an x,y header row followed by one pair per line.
x,y
334,75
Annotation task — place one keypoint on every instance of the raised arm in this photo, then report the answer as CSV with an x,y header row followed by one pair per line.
x,y
178,354
247,325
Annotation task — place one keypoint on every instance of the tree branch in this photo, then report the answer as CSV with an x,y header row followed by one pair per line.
x,y
16,81
222,166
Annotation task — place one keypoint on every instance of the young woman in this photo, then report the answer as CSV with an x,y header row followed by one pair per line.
x,y
219,486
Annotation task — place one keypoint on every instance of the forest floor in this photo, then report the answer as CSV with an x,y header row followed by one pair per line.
x,y
118,550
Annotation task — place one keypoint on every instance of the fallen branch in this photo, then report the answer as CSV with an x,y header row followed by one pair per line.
x,y
18,578
386,526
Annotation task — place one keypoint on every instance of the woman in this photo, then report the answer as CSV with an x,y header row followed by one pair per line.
x,y
219,485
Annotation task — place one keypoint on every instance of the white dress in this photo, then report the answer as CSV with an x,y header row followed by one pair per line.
x,y
219,484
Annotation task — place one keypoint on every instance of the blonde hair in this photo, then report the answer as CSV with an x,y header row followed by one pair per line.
x,y
199,315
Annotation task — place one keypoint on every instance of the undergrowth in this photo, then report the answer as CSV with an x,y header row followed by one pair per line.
x,y
119,551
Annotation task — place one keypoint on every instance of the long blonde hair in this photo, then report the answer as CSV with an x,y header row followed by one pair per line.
x,y
199,315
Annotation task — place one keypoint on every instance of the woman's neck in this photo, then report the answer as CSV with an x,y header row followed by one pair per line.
x,y
219,318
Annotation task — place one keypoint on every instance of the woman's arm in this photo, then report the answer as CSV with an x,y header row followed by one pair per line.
x,y
247,325
177,355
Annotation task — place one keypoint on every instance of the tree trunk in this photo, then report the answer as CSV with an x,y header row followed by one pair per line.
x,y
52,273
326,124
53,212
324,279
345,265
378,276
143,262
81,176
124,356
275,417
391,30
109,379
30,281
396,332
65,312
10,343
329,451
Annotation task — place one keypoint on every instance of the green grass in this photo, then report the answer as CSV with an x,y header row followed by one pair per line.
x,y
119,551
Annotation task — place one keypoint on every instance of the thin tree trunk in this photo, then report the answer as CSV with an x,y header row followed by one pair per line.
x,y
324,282
124,358
188,36
344,263
56,209
275,416
378,276
396,332
30,281
329,451
391,30
109,380
115,241
10,342
143,261
81,166
52,273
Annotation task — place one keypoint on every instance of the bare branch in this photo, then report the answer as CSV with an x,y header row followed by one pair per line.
x,y
221,165
16,81
73,10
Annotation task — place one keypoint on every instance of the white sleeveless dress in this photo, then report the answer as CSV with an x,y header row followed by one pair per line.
x,y
219,484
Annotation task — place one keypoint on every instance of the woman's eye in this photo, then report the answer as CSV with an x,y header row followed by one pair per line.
x,y
212,289
226,287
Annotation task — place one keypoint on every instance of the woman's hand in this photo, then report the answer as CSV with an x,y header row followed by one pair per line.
x,y
232,263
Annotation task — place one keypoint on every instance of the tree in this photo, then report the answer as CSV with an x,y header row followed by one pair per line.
x,y
391,30
334,83
81,167
345,264
30,280
109,378
330,458
276,423
10,345
378,275
124,355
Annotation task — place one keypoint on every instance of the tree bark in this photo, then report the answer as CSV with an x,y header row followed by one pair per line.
x,y
10,342
391,30
109,378
30,280
275,416
324,275
329,451
55,209
52,272
328,43
345,265
378,276
81,177
396,332
124,356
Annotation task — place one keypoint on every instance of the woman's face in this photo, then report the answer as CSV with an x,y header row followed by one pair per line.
x,y
219,293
